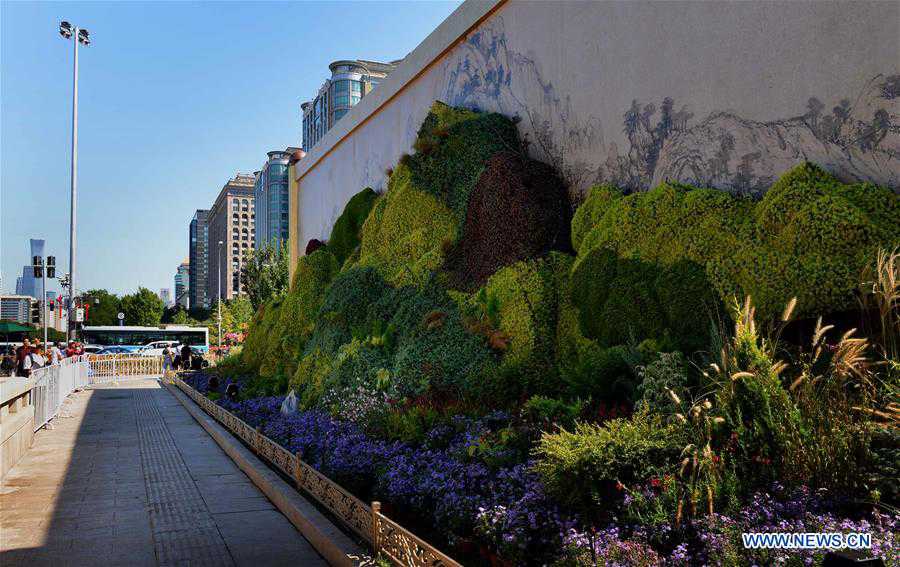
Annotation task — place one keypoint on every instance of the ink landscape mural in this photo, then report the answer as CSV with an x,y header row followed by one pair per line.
x,y
857,138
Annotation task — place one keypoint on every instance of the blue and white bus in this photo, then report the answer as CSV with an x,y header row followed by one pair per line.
x,y
111,335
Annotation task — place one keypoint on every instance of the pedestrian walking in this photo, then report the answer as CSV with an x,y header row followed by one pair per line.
x,y
186,355
168,360
21,354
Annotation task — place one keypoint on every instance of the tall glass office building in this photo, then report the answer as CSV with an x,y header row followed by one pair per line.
x,y
350,81
271,195
198,235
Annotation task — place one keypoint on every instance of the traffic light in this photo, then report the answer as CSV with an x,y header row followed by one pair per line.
x,y
38,265
51,267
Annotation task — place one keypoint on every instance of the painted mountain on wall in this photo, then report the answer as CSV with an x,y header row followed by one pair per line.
x,y
857,139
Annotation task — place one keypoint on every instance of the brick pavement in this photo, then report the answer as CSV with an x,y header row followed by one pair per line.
x,y
127,477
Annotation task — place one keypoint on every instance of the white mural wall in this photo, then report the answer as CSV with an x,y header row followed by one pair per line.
x,y
633,93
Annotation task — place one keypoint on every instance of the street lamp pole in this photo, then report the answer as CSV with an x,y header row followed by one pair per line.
x,y
219,284
44,303
82,36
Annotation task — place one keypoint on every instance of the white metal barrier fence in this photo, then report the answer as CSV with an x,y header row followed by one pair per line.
x,y
52,384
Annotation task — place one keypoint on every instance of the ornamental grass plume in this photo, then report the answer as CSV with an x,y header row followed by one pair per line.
x,y
880,291
700,468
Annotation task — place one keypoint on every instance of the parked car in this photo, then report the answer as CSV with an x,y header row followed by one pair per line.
x,y
156,348
116,350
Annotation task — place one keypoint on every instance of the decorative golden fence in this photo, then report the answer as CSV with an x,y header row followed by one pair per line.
x,y
386,536
110,367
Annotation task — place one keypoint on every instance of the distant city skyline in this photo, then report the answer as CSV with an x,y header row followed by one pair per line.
x,y
169,110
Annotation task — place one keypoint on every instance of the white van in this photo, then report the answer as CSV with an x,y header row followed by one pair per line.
x,y
156,348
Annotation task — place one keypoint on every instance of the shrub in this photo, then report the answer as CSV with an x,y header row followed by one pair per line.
x,y
309,379
253,353
313,245
359,382
448,360
584,467
766,425
666,373
591,211
345,234
547,413
519,209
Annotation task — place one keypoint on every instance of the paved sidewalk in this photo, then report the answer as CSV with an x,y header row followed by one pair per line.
x,y
127,477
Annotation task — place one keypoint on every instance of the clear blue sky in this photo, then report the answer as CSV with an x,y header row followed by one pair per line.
x,y
173,99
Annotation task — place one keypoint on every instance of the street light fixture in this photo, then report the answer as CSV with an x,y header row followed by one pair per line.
x,y
82,36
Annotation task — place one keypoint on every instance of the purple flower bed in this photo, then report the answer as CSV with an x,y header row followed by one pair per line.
x,y
507,509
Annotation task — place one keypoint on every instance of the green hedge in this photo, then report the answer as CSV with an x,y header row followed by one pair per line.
x,y
256,344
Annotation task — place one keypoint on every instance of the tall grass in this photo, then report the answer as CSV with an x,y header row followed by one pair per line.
x,y
880,291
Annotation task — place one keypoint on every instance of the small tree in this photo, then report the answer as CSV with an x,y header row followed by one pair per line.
x,y
265,273
104,308
142,308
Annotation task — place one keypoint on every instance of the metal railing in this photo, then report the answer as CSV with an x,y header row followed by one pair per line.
x,y
385,535
114,367
52,384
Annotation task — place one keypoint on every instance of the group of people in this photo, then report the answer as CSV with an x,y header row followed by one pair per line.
x,y
173,359
29,356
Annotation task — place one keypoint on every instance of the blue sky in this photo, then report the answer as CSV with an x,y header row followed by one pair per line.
x,y
174,98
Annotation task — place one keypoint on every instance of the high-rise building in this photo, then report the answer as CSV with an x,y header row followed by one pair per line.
x,y
18,308
271,198
231,222
350,81
198,236
165,294
27,284
182,283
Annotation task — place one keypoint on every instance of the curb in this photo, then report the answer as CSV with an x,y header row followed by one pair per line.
x,y
332,544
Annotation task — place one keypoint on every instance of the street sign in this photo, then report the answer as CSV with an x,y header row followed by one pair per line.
x,y
79,315
121,315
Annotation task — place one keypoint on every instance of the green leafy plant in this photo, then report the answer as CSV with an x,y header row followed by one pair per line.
x,y
586,467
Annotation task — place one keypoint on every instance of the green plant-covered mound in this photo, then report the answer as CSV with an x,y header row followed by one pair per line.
x,y
451,149
345,233
518,209
648,263
410,230
526,295
298,310
404,235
